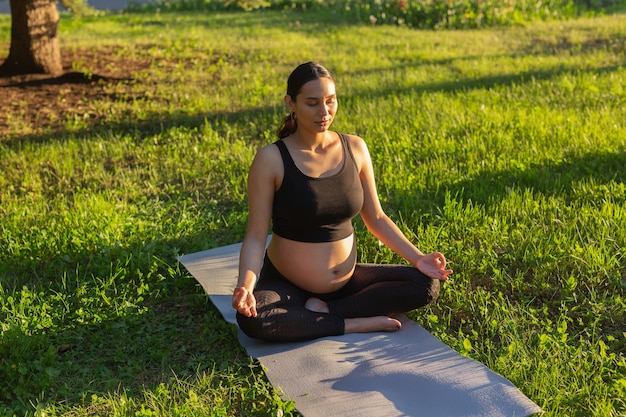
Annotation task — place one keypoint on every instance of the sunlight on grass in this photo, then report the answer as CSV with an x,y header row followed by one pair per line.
x,y
503,148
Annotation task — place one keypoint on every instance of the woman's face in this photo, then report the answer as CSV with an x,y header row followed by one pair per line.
x,y
315,105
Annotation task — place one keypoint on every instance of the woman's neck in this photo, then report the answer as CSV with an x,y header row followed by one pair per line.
x,y
312,141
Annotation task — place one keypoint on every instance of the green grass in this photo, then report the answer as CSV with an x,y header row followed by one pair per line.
x,y
503,148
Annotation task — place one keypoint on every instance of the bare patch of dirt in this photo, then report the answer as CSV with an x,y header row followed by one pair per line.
x,y
38,102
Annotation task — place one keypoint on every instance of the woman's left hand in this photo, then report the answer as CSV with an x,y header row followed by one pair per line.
x,y
433,265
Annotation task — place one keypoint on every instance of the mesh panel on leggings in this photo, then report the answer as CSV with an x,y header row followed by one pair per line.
x,y
281,313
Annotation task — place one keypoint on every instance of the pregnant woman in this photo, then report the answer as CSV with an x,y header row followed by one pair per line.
x,y
309,185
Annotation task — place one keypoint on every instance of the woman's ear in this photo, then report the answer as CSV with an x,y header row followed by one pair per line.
x,y
289,102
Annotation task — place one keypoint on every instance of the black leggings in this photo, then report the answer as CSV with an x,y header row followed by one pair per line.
x,y
373,290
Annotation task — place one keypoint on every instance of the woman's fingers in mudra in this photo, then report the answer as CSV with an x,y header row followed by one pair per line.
x,y
244,302
433,265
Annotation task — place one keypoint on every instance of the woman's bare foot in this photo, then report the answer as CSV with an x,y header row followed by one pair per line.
x,y
359,324
317,305
371,324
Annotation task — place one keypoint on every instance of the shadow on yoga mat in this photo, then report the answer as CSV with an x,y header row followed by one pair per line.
x,y
406,373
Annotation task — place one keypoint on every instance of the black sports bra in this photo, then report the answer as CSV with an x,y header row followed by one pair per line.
x,y
308,209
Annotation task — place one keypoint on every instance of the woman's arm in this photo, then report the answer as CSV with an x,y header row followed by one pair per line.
x,y
381,226
262,183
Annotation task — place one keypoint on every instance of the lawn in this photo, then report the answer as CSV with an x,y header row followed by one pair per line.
x,y
504,148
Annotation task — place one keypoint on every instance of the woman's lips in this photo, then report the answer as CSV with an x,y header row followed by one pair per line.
x,y
324,123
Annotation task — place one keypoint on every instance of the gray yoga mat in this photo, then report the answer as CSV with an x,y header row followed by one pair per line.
x,y
405,373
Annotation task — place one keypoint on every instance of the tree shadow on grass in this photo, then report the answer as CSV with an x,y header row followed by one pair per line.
x,y
141,129
547,178
157,123
478,83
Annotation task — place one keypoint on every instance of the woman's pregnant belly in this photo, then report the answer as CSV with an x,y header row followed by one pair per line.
x,y
315,267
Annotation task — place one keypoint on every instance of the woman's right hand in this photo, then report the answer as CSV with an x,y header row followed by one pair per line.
x,y
244,302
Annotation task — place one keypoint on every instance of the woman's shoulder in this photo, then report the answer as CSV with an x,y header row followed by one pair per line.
x,y
357,146
268,152
268,160
354,140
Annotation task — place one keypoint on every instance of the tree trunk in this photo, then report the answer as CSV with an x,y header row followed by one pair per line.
x,y
34,42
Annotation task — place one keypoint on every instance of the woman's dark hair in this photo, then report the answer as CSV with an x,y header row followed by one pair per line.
x,y
301,75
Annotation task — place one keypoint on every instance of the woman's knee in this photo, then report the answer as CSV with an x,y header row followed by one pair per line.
x,y
426,287
432,290
252,326
263,327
